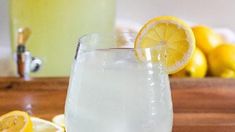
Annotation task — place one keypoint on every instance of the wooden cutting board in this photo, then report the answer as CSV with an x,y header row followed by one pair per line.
x,y
200,105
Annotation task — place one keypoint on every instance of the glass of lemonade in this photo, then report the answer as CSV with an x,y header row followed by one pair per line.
x,y
55,26
112,90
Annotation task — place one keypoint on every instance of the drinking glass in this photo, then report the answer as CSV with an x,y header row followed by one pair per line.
x,y
115,89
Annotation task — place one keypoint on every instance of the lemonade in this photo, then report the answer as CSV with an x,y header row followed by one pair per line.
x,y
111,91
56,26
127,90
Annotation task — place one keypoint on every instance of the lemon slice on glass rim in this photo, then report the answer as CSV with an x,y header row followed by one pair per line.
x,y
169,37
16,121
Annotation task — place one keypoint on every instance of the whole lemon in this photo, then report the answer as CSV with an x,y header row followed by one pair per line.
x,y
197,66
222,61
206,38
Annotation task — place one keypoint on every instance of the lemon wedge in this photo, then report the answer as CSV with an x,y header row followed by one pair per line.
x,y
169,37
16,121
59,120
40,125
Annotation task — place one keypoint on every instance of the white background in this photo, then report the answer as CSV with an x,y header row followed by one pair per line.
x,y
211,12
4,28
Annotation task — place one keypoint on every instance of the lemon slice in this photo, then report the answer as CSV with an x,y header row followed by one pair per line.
x,y
59,120
40,125
169,37
16,121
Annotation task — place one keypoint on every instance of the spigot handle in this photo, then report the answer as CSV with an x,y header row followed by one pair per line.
x,y
26,63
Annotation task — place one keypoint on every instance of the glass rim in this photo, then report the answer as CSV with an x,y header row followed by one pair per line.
x,y
114,37
144,53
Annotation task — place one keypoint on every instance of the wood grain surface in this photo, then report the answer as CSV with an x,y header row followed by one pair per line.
x,y
200,105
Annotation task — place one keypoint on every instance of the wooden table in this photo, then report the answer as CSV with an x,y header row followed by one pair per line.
x,y
203,105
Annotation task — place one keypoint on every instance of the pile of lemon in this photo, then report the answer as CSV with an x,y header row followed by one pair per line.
x,y
190,51
212,57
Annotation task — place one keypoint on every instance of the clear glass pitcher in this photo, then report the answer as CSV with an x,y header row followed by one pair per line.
x,y
55,26
113,90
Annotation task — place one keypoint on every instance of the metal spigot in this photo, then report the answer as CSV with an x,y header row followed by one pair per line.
x,y
26,63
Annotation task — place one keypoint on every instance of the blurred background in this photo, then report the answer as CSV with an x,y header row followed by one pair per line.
x,y
109,15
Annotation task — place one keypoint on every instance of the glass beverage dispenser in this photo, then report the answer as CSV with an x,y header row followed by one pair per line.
x,y
55,27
